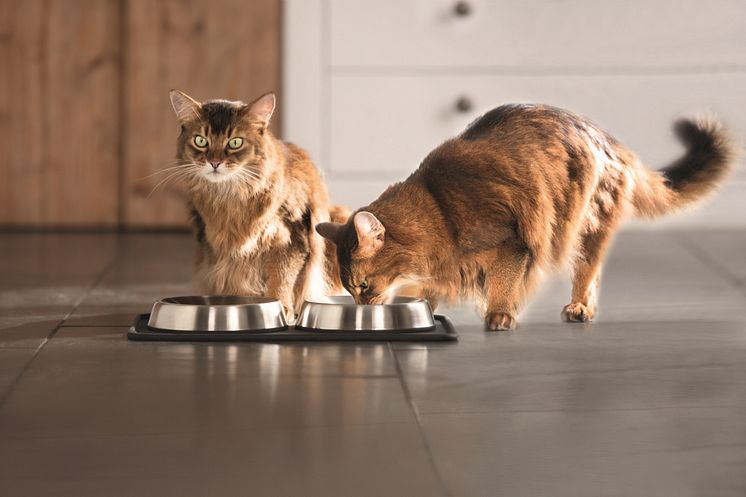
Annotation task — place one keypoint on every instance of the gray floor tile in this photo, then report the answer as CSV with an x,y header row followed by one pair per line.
x,y
92,381
363,460
31,261
724,251
602,366
151,267
12,362
683,452
646,401
45,275
112,315
28,335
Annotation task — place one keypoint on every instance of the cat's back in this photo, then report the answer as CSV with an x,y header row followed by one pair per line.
x,y
518,163
523,123
518,144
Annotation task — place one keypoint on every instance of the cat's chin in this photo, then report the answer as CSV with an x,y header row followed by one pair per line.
x,y
215,177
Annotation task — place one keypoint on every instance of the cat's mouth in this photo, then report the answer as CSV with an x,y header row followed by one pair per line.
x,y
216,176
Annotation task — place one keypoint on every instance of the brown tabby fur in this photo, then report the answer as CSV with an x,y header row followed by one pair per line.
x,y
255,211
523,190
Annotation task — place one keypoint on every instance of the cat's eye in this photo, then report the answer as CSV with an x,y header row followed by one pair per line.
x,y
235,143
364,284
200,141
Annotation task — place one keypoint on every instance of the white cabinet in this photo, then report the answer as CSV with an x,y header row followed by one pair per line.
x,y
371,87
562,35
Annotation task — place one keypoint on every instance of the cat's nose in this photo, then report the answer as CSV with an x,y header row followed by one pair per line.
x,y
215,164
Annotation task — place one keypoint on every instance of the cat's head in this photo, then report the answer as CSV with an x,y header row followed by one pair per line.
x,y
373,265
221,140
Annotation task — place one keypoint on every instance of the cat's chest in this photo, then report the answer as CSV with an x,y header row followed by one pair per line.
x,y
238,230
273,235
255,239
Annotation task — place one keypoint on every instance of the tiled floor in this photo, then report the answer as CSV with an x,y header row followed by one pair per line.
x,y
648,401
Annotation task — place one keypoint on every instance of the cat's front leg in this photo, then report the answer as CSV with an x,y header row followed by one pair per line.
x,y
429,294
419,291
282,273
506,281
279,288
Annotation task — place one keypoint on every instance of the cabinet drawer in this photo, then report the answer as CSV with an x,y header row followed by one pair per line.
x,y
537,34
382,127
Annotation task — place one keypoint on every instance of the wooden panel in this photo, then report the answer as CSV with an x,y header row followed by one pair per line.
x,y
406,117
81,180
218,49
535,35
21,114
59,112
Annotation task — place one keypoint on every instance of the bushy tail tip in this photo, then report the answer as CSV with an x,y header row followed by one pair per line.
x,y
711,153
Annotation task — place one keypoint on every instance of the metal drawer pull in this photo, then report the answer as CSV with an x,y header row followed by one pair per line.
x,y
462,9
464,104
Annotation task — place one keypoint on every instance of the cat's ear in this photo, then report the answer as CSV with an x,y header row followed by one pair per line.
x,y
262,108
370,233
186,107
331,231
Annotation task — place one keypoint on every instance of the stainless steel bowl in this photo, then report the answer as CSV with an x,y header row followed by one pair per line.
x,y
342,314
197,313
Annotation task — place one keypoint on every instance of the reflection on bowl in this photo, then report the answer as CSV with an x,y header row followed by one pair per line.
x,y
342,314
217,313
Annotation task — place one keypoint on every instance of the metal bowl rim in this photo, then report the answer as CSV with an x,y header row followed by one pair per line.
x,y
402,302
184,314
247,301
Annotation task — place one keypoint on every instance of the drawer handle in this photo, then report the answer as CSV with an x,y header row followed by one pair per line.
x,y
464,104
462,9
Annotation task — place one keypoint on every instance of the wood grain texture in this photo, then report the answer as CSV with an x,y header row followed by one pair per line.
x,y
59,112
21,111
218,49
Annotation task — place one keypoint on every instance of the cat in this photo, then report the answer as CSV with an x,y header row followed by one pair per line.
x,y
254,200
523,190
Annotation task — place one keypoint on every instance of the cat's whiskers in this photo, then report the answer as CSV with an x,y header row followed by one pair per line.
x,y
248,173
162,182
173,175
165,169
253,179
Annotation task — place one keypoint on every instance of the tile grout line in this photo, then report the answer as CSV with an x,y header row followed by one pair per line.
x,y
408,398
11,387
702,256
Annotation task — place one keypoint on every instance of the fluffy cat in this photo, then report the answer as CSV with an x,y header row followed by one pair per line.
x,y
255,201
524,189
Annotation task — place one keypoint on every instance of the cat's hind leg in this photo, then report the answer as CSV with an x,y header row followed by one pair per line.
x,y
586,276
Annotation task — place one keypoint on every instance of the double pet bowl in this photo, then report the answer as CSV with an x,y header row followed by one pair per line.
x,y
262,319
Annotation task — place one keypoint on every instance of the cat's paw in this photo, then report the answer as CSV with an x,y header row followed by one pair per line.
x,y
500,321
577,313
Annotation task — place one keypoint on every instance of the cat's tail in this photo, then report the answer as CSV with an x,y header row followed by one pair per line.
x,y
711,152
